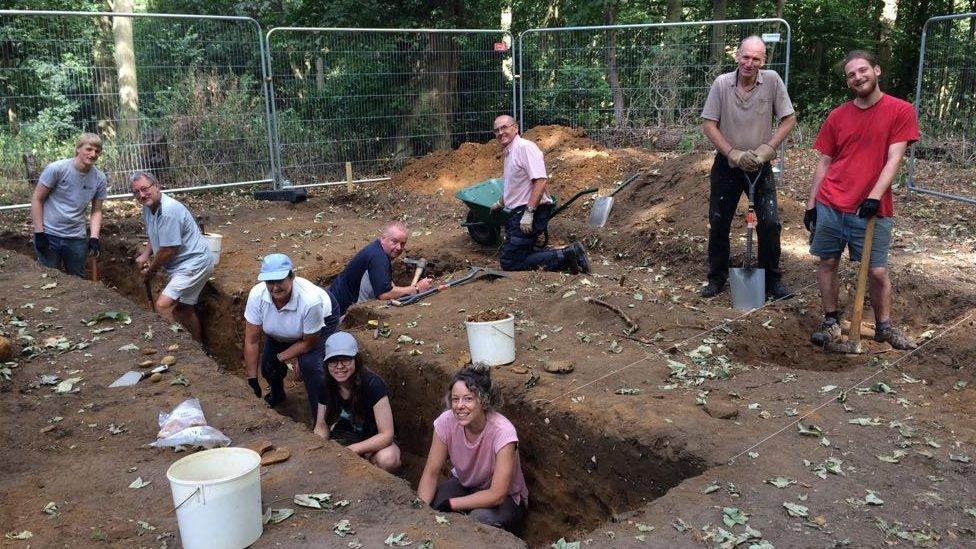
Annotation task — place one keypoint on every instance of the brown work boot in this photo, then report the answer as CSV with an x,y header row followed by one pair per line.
x,y
828,332
896,338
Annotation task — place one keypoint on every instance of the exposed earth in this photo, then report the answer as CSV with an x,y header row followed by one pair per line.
x,y
704,426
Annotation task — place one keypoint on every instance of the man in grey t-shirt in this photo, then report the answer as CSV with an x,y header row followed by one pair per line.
x,y
738,119
177,246
59,207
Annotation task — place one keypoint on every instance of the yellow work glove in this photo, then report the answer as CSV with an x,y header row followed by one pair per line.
x,y
764,153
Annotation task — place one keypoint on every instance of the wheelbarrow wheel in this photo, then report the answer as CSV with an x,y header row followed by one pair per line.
x,y
482,233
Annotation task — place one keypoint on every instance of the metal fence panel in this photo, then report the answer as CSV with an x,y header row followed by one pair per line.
x,y
378,97
635,85
945,100
183,96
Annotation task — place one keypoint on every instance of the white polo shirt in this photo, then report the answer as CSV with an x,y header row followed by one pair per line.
x,y
523,163
303,314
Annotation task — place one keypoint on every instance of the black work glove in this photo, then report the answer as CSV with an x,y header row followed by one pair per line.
x,y
253,382
94,247
868,208
810,219
41,243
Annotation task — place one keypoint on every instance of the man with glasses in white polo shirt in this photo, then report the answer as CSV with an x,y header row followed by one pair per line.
x,y
176,246
294,317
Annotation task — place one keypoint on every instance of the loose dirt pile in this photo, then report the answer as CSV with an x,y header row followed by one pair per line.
x,y
574,161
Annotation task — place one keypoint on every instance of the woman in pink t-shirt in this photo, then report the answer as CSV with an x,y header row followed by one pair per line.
x,y
486,478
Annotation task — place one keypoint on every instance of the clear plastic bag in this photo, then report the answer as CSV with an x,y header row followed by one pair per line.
x,y
186,426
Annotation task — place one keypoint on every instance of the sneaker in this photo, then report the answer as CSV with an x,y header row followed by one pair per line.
x,y
779,290
570,260
711,289
274,399
896,338
582,261
828,331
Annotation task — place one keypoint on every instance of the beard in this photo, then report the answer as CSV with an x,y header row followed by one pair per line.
x,y
866,92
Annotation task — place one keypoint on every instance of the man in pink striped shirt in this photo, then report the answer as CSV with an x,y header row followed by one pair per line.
x,y
524,172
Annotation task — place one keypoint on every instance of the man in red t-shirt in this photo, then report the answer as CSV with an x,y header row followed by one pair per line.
x,y
861,144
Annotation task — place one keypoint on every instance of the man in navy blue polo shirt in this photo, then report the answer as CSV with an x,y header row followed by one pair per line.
x,y
370,273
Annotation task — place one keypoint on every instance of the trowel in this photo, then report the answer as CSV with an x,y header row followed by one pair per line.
x,y
748,284
131,378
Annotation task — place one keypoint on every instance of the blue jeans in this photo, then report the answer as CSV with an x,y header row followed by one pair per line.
x,y
836,230
519,252
67,254
727,186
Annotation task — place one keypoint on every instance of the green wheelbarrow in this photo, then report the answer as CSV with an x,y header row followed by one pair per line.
x,y
485,226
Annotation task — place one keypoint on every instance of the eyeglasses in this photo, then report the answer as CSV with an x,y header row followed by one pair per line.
x,y
500,129
137,191
336,363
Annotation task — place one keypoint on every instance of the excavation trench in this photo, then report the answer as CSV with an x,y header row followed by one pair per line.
x,y
578,477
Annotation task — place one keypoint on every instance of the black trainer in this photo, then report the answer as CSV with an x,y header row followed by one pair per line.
x,y
711,289
570,260
779,290
582,261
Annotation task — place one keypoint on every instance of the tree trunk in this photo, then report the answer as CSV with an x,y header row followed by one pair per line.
x,y
886,25
780,5
6,48
125,64
441,86
319,73
747,9
613,76
674,11
717,50
104,78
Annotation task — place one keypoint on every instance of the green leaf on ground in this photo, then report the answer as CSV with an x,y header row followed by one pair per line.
x,y
144,527
872,499
397,540
314,501
795,510
51,509
962,458
129,347
680,525
49,286
865,421
441,519
25,534
971,511
641,527
274,516
67,386
733,515
139,483
627,391
561,543
895,456
713,487
615,347
180,379
343,528
427,544
780,482
809,430
882,387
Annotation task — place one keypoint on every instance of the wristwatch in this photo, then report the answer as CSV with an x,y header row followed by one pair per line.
x,y
530,209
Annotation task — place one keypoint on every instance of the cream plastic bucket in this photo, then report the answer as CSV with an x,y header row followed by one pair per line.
x,y
217,495
214,242
492,342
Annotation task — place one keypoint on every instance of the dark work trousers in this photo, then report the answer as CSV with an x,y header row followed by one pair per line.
x,y
519,252
311,363
68,254
727,186
508,515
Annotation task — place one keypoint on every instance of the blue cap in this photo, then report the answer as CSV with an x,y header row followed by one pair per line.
x,y
340,344
275,267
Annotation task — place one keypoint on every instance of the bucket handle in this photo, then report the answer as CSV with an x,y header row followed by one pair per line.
x,y
193,493
497,329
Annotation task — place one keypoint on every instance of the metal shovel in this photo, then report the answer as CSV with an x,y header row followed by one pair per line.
x,y
602,204
748,284
131,378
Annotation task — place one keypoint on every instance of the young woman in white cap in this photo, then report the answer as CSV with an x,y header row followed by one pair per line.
x,y
354,405
295,317
486,478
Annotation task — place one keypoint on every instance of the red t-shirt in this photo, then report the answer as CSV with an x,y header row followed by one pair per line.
x,y
857,142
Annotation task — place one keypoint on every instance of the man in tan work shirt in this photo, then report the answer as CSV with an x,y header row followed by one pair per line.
x,y
738,119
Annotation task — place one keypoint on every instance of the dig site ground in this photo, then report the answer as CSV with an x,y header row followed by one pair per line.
x,y
664,420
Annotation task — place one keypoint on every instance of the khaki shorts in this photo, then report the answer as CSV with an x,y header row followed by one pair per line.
x,y
186,287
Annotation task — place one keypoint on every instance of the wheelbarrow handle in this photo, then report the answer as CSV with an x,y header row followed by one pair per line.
x,y
573,199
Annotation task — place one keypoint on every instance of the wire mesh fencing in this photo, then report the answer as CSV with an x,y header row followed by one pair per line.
x,y
379,97
635,85
180,96
944,100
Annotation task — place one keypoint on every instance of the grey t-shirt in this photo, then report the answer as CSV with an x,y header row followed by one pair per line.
x,y
747,122
66,207
173,225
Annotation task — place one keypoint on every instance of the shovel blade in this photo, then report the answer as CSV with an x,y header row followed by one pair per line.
x,y
748,288
600,211
127,379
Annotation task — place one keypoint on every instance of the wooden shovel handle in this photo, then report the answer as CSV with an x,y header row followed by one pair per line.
x,y
862,279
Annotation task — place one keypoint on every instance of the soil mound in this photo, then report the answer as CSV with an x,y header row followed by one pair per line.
x,y
574,162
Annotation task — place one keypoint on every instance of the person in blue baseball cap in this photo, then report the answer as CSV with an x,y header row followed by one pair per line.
x,y
294,317
354,405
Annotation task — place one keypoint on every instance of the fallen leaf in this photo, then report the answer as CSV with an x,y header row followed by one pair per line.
x,y
399,540
795,510
441,519
274,516
139,483
780,482
872,499
26,534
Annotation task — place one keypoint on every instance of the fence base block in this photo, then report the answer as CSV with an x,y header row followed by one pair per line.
x,y
282,195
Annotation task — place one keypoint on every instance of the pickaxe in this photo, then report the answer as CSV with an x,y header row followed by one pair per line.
x,y
420,265
472,274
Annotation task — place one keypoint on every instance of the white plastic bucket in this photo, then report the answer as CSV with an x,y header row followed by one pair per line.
x,y
492,342
217,495
214,242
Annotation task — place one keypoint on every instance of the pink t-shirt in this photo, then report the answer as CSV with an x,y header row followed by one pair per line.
x,y
523,163
474,462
